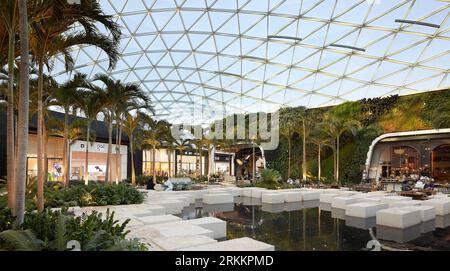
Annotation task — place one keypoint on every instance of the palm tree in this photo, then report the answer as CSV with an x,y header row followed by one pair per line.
x,y
52,35
90,103
64,96
304,121
287,130
319,139
131,125
9,16
181,145
334,127
116,94
22,127
154,133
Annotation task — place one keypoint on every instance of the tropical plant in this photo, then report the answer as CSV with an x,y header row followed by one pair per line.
x,y
337,123
287,130
131,125
116,93
181,145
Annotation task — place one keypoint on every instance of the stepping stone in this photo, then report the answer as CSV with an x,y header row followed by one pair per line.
x,y
217,226
170,229
158,219
247,191
292,196
428,226
257,193
324,206
389,199
218,198
171,206
239,244
272,198
399,218
442,206
364,209
404,203
341,202
330,191
427,213
189,197
310,195
180,242
310,204
198,194
327,198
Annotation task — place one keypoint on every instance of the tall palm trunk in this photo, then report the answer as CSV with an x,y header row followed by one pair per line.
x,y
337,160
119,157
66,148
22,127
153,164
181,161
86,160
319,168
40,140
133,172
45,152
117,154
10,123
304,165
289,157
108,158
170,163
201,161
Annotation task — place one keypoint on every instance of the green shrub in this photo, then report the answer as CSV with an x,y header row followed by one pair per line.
x,y
200,179
6,219
95,194
51,230
269,179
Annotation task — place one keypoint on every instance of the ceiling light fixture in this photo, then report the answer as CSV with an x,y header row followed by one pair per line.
x,y
417,22
284,37
347,47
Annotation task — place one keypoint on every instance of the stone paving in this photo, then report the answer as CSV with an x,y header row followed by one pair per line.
x,y
155,223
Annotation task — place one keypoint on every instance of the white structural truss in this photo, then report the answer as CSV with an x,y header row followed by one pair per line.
x,y
249,55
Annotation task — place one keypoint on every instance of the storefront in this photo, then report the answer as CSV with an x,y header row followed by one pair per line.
x,y
97,157
162,164
55,164
424,153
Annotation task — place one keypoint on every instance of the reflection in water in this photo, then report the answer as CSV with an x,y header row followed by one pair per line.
x,y
311,226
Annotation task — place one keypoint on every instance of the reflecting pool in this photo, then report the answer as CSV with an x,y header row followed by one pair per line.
x,y
316,226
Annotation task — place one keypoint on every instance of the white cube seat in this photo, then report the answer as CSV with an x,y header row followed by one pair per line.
x,y
389,199
404,203
442,206
272,198
341,202
238,244
427,213
217,226
292,196
328,197
364,209
257,193
247,191
310,195
400,218
218,198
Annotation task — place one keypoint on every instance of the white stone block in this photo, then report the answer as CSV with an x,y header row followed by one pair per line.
x,y
404,203
328,197
400,218
217,226
427,213
171,206
179,242
292,196
330,191
442,206
218,198
310,195
247,191
239,244
158,219
272,198
364,209
170,229
389,199
341,202
256,193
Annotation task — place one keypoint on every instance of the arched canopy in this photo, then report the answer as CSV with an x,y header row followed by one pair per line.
x,y
237,56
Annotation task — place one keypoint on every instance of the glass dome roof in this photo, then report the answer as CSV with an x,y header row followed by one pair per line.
x,y
241,56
